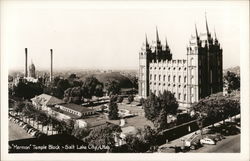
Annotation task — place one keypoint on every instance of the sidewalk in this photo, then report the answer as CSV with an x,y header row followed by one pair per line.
x,y
180,141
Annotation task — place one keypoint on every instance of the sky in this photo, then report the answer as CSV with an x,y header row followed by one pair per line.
x,y
109,35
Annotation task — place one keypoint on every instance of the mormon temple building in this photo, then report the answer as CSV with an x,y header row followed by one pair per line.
x,y
196,77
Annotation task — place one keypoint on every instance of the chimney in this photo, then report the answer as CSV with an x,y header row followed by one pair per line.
x,y
26,64
51,65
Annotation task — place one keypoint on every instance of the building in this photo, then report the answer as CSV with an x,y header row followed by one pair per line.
x,y
45,101
189,80
77,110
32,70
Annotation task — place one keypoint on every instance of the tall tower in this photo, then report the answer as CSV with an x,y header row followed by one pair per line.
x,y
144,69
204,60
193,68
51,65
26,63
32,70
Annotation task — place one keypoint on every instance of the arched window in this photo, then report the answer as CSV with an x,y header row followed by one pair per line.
x,y
174,78
155,77
192,71
185,97
169,78
192,90
179,79
192,61
150,76
164,77
185,79
192,79
192,99
159,77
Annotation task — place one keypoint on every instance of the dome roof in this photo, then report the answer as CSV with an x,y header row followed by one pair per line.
x,y
32,66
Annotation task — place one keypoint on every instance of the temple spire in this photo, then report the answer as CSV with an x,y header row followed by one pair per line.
x,y
166,43
215,34
157,35
206,23
146,39
196,32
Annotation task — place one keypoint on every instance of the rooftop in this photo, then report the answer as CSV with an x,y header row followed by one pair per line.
x,y
47,100
77,107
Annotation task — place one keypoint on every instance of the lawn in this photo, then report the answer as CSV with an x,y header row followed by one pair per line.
x,y
138,120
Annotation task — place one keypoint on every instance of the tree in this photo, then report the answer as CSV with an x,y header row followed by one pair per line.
x,y
130,98
119,99
19,107
113,87
232,80
27,90
214,109
142,141
142,101
135,144
56,80
163,105
62,85
134,81
103,135
73,95
72,76
80,133
161,122
113,108
92,87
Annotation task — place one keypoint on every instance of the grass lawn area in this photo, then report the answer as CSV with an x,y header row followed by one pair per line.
x,y
132,109
139,120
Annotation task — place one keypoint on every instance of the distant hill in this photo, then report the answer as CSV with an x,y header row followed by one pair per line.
x,y
235,70
104,77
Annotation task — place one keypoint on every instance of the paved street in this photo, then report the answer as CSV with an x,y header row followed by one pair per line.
x,y
229,145
16,132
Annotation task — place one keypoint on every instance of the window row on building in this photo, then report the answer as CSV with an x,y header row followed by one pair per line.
x,y
167,78
70,111
166,84
169,68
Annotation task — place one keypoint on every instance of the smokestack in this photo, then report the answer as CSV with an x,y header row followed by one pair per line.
x,y
26,63
51,65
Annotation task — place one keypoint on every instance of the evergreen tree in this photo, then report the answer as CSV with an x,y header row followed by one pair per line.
x,y
113,108
158,108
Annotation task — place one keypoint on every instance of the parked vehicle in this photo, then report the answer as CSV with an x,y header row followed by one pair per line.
x,y
40,135
207,141
24,126
216,136
167,149
21,123
193,141
30,130
27,128
17,121
33,133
